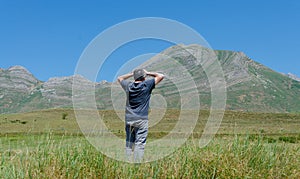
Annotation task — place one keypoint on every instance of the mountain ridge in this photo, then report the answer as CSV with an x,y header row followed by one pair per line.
x,y
251,86
292,76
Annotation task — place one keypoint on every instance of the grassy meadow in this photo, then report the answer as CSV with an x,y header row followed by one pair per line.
x,y
49,144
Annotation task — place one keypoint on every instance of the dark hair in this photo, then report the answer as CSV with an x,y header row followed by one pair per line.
x,y
140,79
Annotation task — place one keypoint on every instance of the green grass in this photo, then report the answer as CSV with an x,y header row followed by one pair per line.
x,y
247,145
53,156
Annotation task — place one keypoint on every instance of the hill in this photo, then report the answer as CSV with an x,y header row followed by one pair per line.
x,y
250,86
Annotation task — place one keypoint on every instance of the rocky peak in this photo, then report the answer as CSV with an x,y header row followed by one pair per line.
x,y
67,81
16,85
17,78
233,64
61,87
292,76
18,68
21,72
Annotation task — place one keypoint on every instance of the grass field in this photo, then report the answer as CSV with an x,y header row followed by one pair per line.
x,y
49,144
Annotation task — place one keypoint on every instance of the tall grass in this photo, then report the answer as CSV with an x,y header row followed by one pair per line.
x,y
52,156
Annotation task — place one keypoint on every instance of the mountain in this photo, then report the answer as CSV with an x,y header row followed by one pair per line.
x,y
250,86
292,76
20,91
16,86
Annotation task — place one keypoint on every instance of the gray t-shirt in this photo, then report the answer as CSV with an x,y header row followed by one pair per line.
x,y
138,99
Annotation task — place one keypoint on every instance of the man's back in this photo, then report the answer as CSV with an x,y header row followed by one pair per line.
x,y
138,98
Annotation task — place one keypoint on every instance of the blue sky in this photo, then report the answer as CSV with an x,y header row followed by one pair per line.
x,y
48,37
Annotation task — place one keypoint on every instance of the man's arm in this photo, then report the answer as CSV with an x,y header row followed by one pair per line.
x,y
124,77
158,77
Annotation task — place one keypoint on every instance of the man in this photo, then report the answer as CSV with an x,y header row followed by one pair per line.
x,y
137,106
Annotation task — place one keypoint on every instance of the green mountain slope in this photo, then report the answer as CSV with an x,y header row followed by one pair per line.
x,y
250,85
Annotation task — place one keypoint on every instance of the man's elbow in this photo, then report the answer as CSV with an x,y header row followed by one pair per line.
x,y
120,79
161,77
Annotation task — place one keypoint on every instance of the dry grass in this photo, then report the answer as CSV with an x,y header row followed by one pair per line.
x,y
232,123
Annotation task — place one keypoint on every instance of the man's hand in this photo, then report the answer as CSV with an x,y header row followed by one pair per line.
x,y
158,77
124,77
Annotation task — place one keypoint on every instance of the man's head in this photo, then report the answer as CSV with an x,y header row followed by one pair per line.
x,y
139,75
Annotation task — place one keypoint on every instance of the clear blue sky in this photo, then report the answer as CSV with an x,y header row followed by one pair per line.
x,y
48,37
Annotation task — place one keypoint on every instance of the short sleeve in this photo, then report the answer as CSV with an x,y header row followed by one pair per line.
x,y
124,84
151,83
